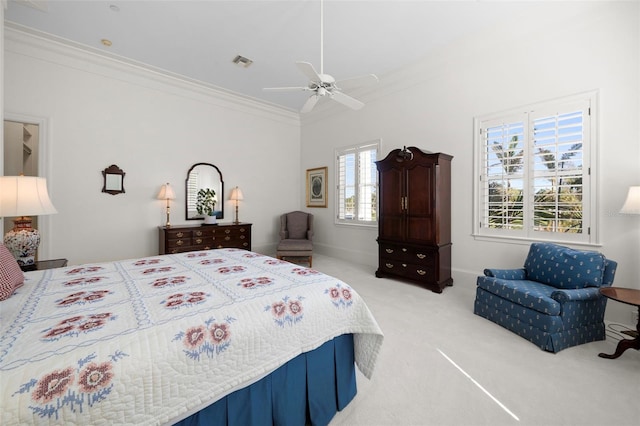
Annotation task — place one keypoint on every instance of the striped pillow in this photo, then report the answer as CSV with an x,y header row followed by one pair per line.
x,y
11,276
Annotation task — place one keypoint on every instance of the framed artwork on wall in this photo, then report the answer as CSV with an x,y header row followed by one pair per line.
x,y
317,187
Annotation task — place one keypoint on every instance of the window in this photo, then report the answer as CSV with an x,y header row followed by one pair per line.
x,y
535,172
357,184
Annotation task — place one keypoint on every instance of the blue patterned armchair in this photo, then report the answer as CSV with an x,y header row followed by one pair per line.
x,y
554,301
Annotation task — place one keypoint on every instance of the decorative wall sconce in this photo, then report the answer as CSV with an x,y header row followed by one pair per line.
x,y
113,180
166,193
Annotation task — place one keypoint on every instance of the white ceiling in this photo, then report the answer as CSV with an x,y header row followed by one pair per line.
x,y
199,39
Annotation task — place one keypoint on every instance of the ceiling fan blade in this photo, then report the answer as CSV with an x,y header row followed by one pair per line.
x,y
310,103
352,83
287,89
346,100
308,70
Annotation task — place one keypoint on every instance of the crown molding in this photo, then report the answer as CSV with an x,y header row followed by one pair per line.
x,y
25,41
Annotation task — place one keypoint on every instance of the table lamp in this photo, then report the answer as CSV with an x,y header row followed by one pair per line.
x,y
236,197
632,203
166,193
21,197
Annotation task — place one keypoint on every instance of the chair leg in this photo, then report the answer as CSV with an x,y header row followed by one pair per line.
x,y
310,263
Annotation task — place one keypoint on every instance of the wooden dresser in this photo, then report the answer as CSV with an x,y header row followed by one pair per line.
x,y
414,217
178,239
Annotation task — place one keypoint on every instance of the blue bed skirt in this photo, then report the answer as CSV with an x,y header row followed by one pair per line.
x,y
309,389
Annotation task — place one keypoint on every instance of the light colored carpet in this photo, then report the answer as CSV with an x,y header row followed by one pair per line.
x,y
415,384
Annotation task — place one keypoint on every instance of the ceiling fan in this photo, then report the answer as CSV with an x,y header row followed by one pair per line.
x,y
322,84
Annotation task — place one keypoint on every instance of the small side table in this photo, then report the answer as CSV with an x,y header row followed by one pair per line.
x,y
629,296
44,264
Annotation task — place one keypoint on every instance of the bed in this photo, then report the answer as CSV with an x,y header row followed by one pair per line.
x,y
223,336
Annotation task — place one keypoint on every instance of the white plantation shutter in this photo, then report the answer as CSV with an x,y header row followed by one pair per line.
x,y
356,200
503,148
535,172
556,189
192,193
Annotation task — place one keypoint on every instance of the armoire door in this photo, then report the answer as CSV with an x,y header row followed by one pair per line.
x,y
419,204
392,193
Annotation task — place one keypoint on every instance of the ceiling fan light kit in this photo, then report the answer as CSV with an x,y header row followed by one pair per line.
x,y
322,84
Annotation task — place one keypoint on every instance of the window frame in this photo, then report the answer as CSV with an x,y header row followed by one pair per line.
x,y
589,181
372,145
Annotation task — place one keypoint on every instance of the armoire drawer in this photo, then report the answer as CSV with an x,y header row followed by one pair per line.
x,y
408,270
410,254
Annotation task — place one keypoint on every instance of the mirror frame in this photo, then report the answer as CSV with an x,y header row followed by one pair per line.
x,y
109,174
186,193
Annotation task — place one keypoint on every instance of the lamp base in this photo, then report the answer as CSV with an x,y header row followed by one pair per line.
x,y
23,241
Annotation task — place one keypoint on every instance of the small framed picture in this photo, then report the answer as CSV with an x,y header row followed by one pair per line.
x,y
317,187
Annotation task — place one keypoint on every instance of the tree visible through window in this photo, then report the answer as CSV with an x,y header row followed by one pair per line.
x,y
535,174
357,184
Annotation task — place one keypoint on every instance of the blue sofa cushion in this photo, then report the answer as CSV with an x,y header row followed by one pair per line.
x,y
529,294
563,267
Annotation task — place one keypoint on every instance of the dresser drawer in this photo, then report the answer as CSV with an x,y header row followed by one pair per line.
x,y
175,234
191,238
178,242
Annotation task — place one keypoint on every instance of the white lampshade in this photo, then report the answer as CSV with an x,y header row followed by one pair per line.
x,y
20,197
632,203
166,192
236,194
24,196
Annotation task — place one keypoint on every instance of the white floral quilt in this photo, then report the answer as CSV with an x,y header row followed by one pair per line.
x,y
149,341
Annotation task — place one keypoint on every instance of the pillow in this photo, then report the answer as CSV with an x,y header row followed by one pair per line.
x,y
563,267
11,276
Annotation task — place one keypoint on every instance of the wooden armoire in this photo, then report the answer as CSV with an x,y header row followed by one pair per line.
x,y
414,217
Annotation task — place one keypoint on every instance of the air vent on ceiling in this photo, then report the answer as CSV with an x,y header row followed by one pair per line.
x,y
241,61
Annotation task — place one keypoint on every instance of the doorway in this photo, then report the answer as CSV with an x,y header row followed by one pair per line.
x,y
25,152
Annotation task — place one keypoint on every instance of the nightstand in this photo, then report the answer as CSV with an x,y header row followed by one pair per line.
x,y
44,264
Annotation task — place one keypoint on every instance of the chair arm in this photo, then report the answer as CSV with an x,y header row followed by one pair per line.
x,y
507,274
310,235
566,295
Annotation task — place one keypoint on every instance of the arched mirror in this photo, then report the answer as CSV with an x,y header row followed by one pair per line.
x,y
204,192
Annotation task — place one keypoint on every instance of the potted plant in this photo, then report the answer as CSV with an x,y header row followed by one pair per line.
x,y
205,205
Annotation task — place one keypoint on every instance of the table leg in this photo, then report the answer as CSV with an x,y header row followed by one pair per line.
x,y
625,344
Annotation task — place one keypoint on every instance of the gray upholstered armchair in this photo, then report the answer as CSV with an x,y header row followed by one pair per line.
x,y
296,234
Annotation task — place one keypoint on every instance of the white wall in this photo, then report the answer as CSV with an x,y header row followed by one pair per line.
x,y
102,112
577,48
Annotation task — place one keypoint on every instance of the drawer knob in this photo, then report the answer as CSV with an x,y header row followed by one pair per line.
x,y
227,231
242,237
199,233
227,238
404,265
389,250
404,249
241,229
198,240
421,256
180,234
245,244
179,242
389,265
421,272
